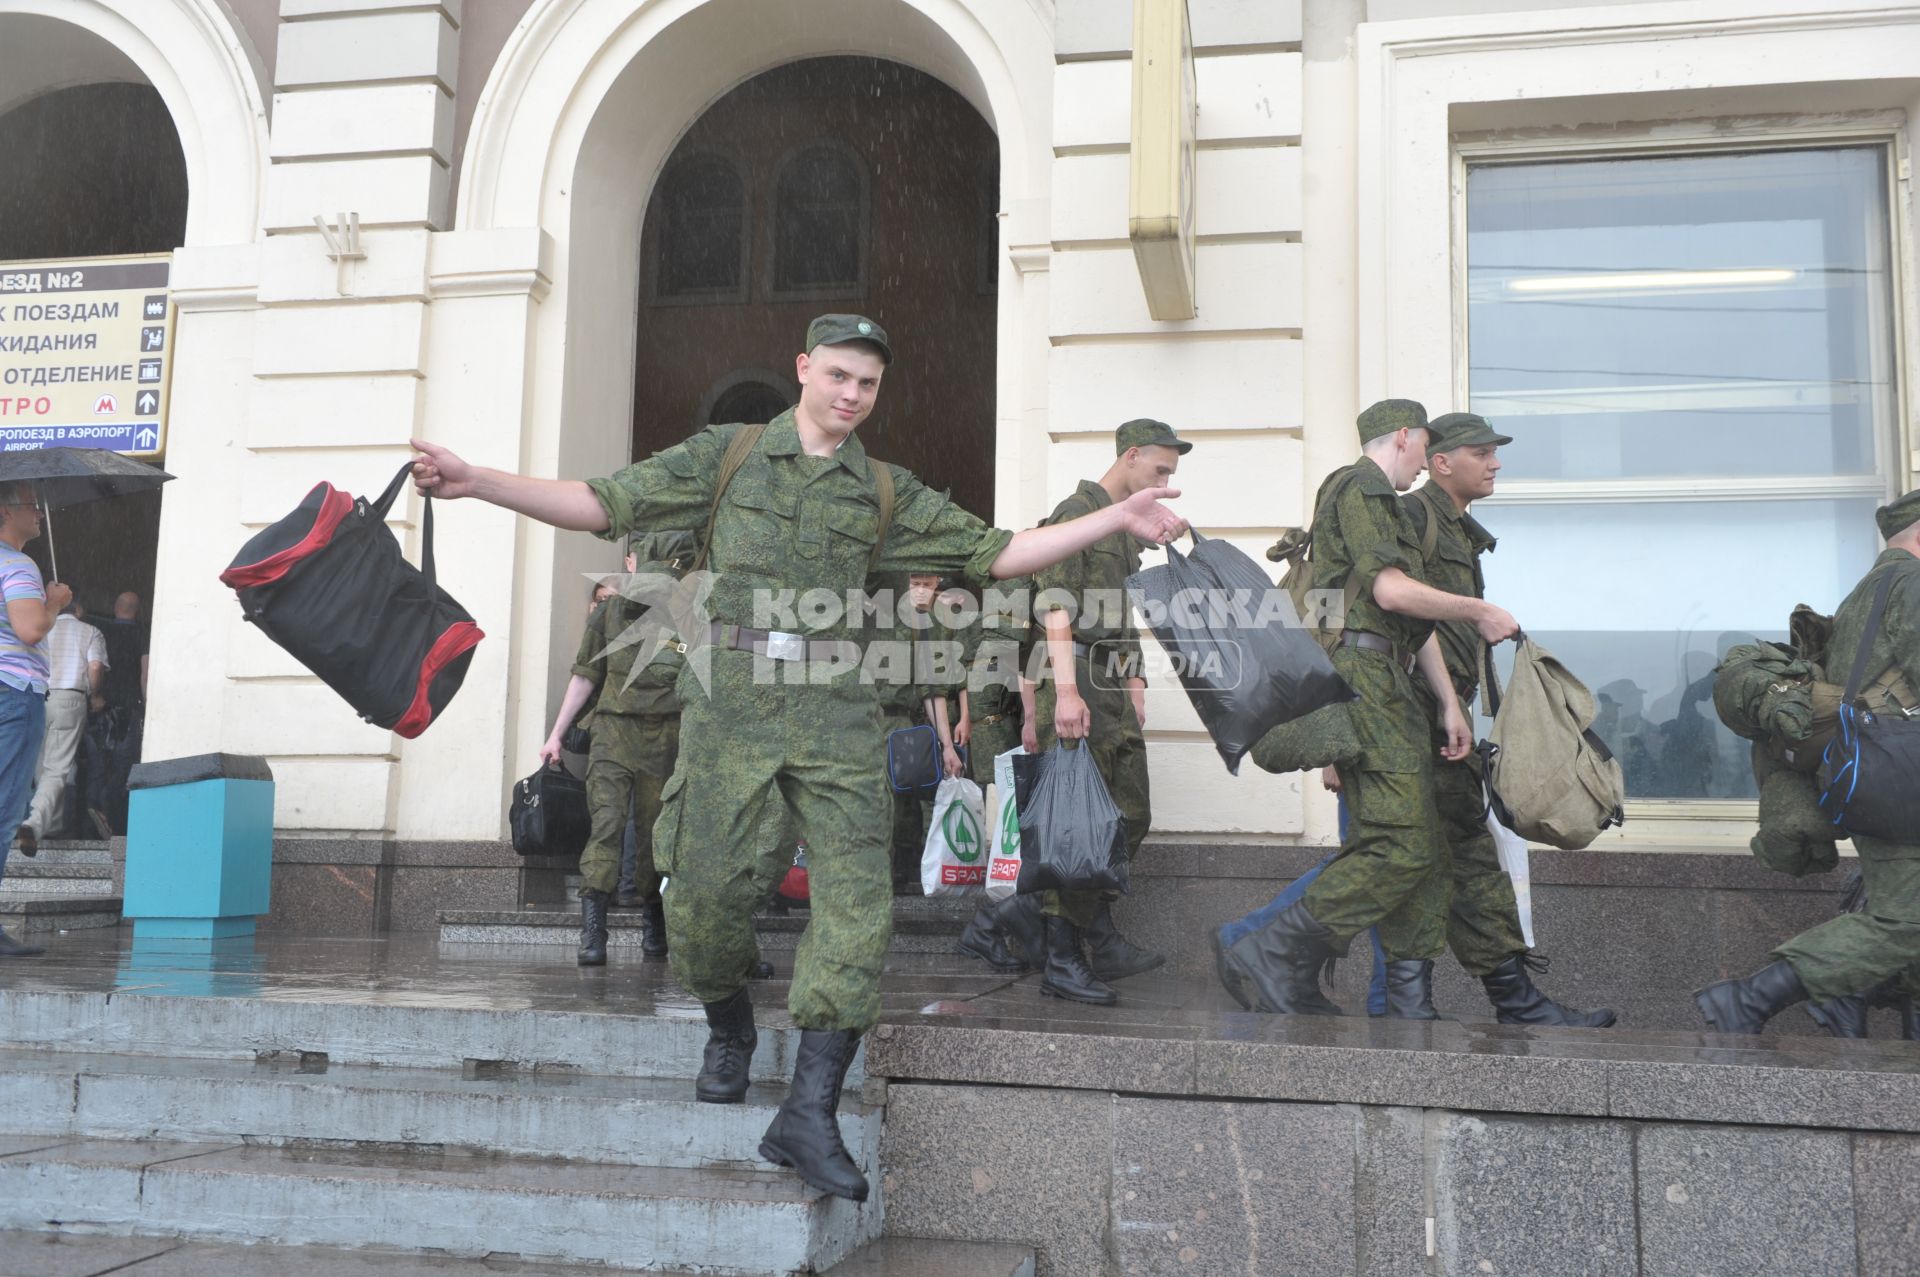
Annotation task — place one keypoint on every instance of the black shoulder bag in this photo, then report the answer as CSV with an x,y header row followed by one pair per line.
x,y
1871,772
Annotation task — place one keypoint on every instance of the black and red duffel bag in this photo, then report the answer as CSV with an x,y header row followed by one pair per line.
x,y
329,584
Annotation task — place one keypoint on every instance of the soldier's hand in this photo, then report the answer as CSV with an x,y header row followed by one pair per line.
x,y
550,752
963,733
1072,720
1029,736
954,767
1496,624
1330,779
438,472
1137,692
1150,521
1459,735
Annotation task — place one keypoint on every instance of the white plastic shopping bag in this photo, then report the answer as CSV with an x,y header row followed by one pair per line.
x,y
1512,850
1003,829
955,860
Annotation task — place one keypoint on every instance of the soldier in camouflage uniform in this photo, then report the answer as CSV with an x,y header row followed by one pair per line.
x,y
1096,694
1483,919
1856,951
1393,870
636,736
782,727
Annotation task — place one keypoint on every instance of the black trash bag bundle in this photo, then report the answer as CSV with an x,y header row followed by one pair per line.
x,y
329,584
1244,677
1072,837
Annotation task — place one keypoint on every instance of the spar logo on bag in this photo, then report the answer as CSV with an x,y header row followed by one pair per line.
x,y
1006,870
963,836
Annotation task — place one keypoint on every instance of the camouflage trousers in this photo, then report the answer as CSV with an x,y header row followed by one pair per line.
x,y
1393,871
989,741
627,771
1120,752
758,757
1852,953
1483,918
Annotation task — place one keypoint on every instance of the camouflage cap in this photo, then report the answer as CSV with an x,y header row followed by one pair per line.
x,y
1462,430
1389,415
837,330
1898,514
1145,432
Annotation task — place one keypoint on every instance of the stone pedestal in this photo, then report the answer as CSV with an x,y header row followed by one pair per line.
x,y
199,846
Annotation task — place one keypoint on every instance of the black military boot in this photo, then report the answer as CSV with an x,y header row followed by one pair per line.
x,y
593,928
11,948
986,940
730,1042
805,1133
653,928
1745,1006
1277,968
1410,990
1841,1017
760,970
1022,923
1066,974
1111,955
1516,1001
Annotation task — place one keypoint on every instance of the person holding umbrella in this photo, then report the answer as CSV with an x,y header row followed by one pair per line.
x,y
31,608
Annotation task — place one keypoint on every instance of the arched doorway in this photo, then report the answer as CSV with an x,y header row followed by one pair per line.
x,y
829,184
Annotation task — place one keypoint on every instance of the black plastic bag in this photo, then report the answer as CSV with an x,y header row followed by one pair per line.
x,y
1072,837
1244,678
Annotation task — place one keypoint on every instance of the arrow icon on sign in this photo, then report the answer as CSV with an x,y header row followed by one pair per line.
x,y
146,440
146,403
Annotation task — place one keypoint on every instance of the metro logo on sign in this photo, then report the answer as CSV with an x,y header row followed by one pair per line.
x,y
105,406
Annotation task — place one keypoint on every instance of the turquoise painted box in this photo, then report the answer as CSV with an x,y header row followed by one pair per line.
x,y
199,846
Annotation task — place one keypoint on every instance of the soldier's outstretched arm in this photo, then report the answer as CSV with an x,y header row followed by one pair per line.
x,y
1141,514
1395,591
564,503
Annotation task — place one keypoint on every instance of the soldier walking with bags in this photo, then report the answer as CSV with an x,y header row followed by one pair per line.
x,y
636,737
1393,870
1877,629
1483,918
784,727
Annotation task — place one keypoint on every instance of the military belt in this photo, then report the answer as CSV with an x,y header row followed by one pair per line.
x,y
991,719
1370,642
779,646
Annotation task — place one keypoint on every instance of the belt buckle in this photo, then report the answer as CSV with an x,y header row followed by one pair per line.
x,y
785,647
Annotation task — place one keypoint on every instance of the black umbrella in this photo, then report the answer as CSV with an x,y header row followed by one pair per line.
x,y
72,476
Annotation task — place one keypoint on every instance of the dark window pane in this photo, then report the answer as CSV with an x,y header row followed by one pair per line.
x,y
753,402
817,231
703,219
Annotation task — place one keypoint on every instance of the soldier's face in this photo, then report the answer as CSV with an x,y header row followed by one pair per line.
x,y
1151,466
838,387
1468,473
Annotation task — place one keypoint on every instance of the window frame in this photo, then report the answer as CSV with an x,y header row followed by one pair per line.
x,y
863,236
784,385
654,227
1684,820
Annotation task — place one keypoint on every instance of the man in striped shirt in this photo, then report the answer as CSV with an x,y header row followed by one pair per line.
x,y
24,625
77,669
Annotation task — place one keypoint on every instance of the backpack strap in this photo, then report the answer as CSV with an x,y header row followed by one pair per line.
x,y
883,493
1429,529
739,448
1867,635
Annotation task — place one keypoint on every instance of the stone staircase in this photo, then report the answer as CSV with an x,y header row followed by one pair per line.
x,y
457,1131
920,925
67,887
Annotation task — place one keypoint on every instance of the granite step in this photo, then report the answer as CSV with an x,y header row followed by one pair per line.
x,y
63,851
97,1255
288,1101
453,1029
39,876
920,925
40,912
738,1222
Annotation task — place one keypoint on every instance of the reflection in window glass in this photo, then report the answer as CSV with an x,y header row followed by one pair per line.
x,y
1693,354
702,207
819,221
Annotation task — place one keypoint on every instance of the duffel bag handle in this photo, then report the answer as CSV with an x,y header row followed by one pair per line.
x,y
383,503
